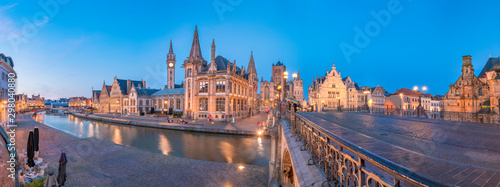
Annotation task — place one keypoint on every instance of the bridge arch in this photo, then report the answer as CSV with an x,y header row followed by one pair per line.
x,y
287,171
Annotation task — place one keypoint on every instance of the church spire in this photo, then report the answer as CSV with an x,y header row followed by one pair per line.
x,y
171,50
251,64
170,55
298,73
195,47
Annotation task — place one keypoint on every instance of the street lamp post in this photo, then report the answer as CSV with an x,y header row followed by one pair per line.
x,y
366,99
419,108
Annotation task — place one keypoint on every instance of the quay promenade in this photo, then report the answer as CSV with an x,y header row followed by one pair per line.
x,y
455,153
246,126
94,162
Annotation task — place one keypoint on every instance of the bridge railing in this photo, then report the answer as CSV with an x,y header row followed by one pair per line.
x,y
345,164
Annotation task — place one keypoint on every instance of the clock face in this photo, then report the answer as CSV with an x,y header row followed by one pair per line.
x,y
170,64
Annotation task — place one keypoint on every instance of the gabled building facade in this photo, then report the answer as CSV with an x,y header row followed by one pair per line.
x,y
220,90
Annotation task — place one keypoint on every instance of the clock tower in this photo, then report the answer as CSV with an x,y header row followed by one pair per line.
x,y
170,68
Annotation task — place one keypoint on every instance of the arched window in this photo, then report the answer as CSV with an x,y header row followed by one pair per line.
x,y
203,104
266,93
457,92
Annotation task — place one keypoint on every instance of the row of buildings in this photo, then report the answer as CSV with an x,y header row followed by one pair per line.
x,y
333,92
219,90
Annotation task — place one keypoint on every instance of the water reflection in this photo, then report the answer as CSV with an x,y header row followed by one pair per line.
x,y
117,136
201,146
164,145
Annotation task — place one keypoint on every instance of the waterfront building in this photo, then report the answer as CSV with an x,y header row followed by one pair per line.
x,y
138,101
36,102
119,91
104,98
95,99
219,90
78,102
21,103
6,67
475,94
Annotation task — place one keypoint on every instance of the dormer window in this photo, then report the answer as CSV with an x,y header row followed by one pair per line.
x,y
457,92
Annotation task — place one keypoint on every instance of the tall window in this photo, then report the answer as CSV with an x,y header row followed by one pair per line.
x,y
140,102
220,104
203,104
190,72
266,93
171,103
177,104
147,102
230,86
203,87
480,91
221,86
457,92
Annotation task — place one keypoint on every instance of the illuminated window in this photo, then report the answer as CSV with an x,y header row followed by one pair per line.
x,y
203,87
203,104
220,104
220,86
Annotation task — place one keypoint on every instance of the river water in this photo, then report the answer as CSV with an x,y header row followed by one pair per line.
x,y
201,146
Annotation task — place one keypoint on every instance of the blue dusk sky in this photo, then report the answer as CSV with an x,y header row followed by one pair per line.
x,y
63,48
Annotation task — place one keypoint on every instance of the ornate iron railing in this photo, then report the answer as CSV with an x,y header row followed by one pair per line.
x,y
345,164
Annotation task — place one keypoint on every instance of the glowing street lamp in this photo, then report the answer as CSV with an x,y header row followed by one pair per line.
x,y
294,76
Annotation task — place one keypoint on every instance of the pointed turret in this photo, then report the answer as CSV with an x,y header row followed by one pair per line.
x,y
195,47
262,79
251,65
213,66
195,53
212,59
298,73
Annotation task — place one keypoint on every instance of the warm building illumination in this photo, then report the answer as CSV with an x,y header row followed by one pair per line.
x,y
241,167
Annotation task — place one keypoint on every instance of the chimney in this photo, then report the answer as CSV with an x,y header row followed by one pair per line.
x,y
466,60
143,83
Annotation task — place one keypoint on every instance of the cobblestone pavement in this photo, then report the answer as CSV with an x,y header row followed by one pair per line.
x,y
5,181
93,162
458,153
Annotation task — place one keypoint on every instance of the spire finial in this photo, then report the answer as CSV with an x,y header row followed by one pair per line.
x,y
171,50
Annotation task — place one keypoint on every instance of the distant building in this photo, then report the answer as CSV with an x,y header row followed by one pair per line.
x,y
219,90
269,89
36,102
475,94
79,103
328,92
22,103
404,98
